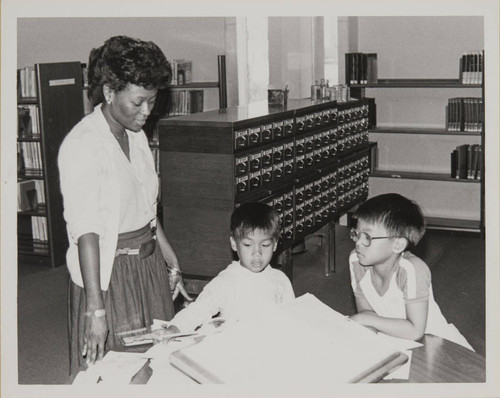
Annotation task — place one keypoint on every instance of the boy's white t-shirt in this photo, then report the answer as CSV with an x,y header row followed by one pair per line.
x,y
411,282
236,293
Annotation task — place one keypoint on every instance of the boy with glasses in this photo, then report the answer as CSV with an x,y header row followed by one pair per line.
x,y
392,287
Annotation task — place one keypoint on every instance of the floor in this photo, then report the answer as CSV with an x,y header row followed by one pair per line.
x,y
456,262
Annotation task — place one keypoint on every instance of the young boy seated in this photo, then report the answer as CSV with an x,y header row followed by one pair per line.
x,y
392,287
247,286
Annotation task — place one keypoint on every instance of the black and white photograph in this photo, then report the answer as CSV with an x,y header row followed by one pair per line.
x,y
250,199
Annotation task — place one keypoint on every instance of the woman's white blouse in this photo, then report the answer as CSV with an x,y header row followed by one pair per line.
x,y
104,193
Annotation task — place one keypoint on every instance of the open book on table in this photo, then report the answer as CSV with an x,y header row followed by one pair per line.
x,y
303,342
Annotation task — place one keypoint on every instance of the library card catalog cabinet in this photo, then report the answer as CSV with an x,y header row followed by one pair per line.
x,y
308,160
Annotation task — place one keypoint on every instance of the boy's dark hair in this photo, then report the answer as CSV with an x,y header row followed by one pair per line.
x,y
255,215
400,216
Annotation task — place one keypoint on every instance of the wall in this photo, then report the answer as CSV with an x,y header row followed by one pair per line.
x,y
417,47
296,54
71,39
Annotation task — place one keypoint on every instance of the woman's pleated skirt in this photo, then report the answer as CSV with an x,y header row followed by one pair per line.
x,y
138,292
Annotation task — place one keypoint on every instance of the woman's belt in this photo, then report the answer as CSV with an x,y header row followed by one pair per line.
x,y
142,250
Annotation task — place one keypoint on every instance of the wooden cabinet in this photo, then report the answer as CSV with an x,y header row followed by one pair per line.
x,y
309,160
58,107
164,105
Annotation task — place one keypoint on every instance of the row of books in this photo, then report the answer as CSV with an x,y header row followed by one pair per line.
x,y
40,235
361,68
30,195
181,72
30,158
467,162
471,67
26,82
185,102
465,114
28,120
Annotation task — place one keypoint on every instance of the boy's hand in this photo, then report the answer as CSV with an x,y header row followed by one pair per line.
x,y
157,335
163,333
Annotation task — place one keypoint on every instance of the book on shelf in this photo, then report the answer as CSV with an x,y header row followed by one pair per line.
x,y
27,198
361,68
40,192
466,162
465,114
26,82
85,76
30,153
185,102
471,67
372,69
28,122
181,72
24,125
40,236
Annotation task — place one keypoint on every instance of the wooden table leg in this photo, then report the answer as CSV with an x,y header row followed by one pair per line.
x,y
330,263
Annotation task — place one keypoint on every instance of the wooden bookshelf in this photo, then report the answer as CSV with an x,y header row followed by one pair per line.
x,y
60,107
161,110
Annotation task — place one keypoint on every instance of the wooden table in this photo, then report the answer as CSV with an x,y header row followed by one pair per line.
x,y
437,361
442,361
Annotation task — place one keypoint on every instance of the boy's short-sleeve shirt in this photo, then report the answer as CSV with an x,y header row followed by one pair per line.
x,y
410,283
412,277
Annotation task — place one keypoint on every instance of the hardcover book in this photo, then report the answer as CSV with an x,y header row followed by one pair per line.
x,y
27,198
304,342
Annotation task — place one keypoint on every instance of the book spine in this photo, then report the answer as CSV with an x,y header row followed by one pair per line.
x,y
348,69
454,162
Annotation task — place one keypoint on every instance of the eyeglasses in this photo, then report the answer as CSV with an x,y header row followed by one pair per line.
x,y
364,238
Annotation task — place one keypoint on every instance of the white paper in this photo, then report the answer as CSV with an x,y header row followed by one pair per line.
x,y
402,344
114,368
163,371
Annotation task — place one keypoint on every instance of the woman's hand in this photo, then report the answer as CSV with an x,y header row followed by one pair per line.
x,y
174,273
177,284
95,327
94,338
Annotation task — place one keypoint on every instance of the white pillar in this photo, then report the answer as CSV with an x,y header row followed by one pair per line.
x,y
253,59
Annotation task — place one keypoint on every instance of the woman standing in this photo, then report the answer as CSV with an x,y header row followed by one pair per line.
x,y
117,252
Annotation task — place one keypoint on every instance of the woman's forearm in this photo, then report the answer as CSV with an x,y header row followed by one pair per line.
x,y
166,248
88,254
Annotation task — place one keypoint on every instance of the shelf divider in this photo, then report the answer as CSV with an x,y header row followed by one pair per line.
x,y
412,175
416,83
422,130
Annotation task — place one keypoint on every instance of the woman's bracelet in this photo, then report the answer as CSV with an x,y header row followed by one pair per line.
x,y
174,271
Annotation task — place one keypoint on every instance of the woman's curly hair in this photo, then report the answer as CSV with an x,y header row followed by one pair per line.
x,y
123,60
